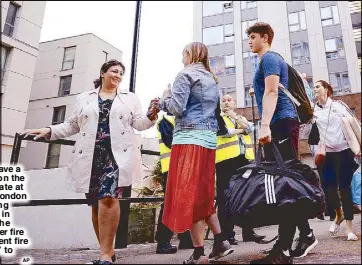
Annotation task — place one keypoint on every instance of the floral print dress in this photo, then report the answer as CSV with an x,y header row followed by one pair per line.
x,y
104,175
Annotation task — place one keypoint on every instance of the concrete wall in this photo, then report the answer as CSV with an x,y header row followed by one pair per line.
x,y
350,47
55,226
20,66
267,13
59,226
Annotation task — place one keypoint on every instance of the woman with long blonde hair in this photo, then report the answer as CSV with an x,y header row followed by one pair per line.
x,y
190,188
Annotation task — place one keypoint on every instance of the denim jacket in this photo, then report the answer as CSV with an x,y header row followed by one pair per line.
x,y
193,99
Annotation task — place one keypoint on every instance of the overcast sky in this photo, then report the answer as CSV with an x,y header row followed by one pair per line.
x,y
166,27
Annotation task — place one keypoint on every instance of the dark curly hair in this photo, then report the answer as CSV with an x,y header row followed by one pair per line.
x,y
98,82
262,28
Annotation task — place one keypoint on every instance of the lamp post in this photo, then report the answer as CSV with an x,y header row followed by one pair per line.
x,y
252,94
132,82
122,230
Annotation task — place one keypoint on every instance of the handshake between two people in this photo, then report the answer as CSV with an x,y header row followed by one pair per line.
x,y
153,108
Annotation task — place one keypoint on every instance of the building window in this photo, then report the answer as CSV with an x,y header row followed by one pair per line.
x,y
228,32
53,156
68,59
223,65
329,15
297,21
106,56
248,4
217,65
228,90
210,8
219,34
357,33
247,96
354,6
310,83
229,64
250,61
4,57
228,6
334,48
300,53
213,35
10,19
64,85
359,64
244,27
340,83
58,115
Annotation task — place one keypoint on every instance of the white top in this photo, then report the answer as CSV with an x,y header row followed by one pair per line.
x,y
334,138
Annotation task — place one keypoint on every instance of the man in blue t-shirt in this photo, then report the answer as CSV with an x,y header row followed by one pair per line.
x,y
279,121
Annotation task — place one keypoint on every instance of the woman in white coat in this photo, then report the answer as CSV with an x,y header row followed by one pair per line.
x,y
106,156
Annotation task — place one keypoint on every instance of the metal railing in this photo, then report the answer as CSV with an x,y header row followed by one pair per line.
x,y
125,202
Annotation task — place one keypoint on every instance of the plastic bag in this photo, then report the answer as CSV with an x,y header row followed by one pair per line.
x,y
356,188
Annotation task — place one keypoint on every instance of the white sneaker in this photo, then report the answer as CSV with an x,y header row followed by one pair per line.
x,y
334,228
352,237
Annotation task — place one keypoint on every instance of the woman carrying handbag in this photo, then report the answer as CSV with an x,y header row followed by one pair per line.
x,y
338,164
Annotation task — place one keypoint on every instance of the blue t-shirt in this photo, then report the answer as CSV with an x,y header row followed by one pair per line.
x,y
273,64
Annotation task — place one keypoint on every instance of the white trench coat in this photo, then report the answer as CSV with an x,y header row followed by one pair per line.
x,y
126,114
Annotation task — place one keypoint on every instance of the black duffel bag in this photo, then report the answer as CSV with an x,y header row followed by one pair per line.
x,y
265,193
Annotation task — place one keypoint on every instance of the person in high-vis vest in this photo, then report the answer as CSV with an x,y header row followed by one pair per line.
x,y
164,234
234,150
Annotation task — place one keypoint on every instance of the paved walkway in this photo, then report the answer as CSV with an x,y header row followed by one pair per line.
x,y
330,250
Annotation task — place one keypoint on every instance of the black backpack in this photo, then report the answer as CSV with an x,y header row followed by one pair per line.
x,y
166,130
297,93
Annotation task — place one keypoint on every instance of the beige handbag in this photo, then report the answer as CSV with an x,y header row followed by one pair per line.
x,y
350,135
351,128
356,127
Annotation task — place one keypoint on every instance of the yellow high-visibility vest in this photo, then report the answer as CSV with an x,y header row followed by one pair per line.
x,y
165,152
249,148
227,147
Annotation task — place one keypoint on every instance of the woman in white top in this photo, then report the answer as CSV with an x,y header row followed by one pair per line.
x,y
337,168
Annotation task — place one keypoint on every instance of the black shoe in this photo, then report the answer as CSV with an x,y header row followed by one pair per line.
x,y
185,245
221,251
105,262
166,248
321,217
114,258
185,241
274,257
254,237
304,244
233,241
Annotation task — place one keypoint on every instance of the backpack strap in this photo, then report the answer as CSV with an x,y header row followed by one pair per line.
x,y
286,91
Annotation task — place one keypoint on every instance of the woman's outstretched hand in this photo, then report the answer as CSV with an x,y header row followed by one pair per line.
x,y
40,133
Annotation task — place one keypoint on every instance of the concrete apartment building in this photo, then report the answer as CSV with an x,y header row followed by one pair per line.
x,y
21,23
65,68
319,38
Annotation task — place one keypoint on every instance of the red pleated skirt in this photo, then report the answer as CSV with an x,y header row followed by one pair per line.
x,y
190,187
